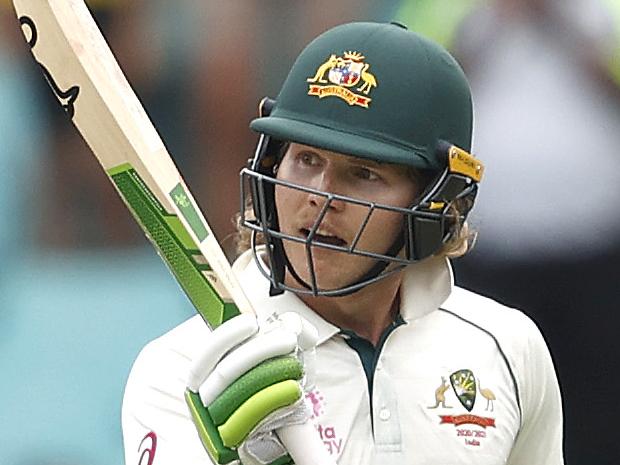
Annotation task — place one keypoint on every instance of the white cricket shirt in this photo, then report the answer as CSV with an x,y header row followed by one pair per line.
x,y
464,380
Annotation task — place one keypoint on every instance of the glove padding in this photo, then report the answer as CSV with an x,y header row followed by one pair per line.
x,y
248,382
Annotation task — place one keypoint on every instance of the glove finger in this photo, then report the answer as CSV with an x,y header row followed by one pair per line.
x,y
306,332
265,374
256,409
222,340
245,357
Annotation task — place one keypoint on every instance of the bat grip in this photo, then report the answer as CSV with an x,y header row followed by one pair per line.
x,y
304,445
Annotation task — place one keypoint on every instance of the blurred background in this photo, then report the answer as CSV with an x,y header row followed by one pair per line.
x,y
81,291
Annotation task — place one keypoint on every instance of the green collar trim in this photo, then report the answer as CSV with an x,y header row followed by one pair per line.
x,y
369,354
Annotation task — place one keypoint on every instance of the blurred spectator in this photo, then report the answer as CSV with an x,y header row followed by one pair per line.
x,y
547,123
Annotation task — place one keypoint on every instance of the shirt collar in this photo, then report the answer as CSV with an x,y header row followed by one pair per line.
x,y
256,287
426,286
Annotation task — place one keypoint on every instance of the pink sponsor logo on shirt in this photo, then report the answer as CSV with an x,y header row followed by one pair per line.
x,y
148,452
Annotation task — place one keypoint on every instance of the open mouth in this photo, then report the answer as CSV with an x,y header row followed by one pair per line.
x,y
324,238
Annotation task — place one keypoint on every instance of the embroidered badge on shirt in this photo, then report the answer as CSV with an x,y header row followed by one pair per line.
x,y
339,76
465,386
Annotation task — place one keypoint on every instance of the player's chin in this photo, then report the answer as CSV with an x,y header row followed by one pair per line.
x,y
332,269
337,270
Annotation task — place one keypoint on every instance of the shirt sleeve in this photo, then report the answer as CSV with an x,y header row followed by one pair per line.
x,y
540,438
157,427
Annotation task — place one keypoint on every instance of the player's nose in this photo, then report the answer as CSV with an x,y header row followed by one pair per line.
x,y
327,184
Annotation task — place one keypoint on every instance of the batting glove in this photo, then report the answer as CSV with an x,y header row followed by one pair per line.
x,y
248,382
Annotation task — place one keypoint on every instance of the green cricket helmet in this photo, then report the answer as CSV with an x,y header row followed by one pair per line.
x,y
376,91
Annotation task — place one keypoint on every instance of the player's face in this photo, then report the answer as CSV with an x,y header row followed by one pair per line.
x,y
358,178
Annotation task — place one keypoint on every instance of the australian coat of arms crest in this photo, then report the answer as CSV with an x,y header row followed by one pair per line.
x,y
344,76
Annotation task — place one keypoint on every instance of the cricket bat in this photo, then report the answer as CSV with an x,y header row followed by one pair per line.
x,y
93,91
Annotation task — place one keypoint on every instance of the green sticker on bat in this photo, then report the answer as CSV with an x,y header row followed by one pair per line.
x,y
174,244
181,199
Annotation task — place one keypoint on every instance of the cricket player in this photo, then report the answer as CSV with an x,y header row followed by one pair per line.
x,y
357,198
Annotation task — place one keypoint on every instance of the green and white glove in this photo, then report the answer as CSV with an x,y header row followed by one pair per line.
x,y
249,382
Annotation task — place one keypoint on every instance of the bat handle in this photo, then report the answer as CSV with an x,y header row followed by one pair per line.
x,y
304,445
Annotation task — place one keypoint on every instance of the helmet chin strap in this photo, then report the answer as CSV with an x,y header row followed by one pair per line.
x,y
280,263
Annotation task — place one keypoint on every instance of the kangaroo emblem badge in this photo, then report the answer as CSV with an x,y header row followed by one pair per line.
x,y
339,76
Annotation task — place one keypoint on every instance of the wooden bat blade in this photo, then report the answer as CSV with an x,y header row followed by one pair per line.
x,y
90,86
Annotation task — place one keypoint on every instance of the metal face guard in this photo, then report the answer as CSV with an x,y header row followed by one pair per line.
x,y
425,219
257,182
426,226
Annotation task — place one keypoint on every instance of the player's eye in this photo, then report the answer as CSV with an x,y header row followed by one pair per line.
x,y
365,173
308,159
